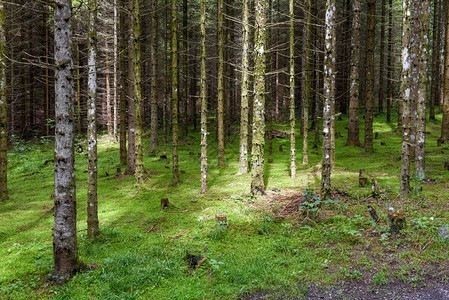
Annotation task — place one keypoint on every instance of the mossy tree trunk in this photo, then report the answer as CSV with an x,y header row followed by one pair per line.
x,y
329,79
436,40
203,96
137,69
131,168
381,99
421,25
257,170
269,85
153,91
174,89
92,202
308,91
292,91
220,107
406,99
65,249
107,76
353,126
390,62
3,107
243,159
371,30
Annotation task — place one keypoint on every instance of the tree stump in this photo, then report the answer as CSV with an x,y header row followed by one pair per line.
x,y
376,135
375,188
397,222
373,214
222,220
362,179
439,142
164,203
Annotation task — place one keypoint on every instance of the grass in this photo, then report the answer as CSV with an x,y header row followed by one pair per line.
x,y
141,249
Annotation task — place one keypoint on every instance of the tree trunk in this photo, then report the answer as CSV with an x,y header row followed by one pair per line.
x,y
243,160
406,99
153,62
329,78
422,10
391,61
203,95
382,58
137,68
123,80
131,169
3,108
115,84
257,172
174,90
371,21
108,92
292,92
220,108
92,203
65,250
269,101
436,38
445,123
353,126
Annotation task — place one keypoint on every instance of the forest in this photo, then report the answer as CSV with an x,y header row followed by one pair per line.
x,y
223,149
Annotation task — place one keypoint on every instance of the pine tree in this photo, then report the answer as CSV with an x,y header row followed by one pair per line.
x,y
371,23
203,95
220,108
137,69
153,63
3,108
292,92
174,90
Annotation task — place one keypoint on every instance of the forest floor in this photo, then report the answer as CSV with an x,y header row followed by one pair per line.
x,y
274,246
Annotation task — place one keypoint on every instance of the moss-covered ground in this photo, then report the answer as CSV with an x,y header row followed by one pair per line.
x,y
267,245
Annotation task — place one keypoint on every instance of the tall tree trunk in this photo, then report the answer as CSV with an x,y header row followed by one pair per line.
x,y
185,78
174,90
436,38
65,249
220,108
78,88
131,169
153,62
243,160
137,68
203,96
422,10
329,78
445,123
382,58
292,91
269,81
3,107
123,80
257,174
108,91
47,76
406,99
92,202
115,84
308,91
391,61
371,21
353,126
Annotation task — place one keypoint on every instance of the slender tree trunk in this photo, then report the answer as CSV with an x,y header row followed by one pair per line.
x,y
329,78
115,84
435,60
220,109
137,68
391,62
243,161
406,99
308,91
123,81
65,249
445,123
131,168
185,81
153,62
78,88
92,202
47,77
353,126
3,107
371,21
203,95
108,92
175,86
382,58
422,9
292,91
257,172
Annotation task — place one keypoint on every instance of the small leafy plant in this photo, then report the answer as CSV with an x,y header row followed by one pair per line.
x,y
312,202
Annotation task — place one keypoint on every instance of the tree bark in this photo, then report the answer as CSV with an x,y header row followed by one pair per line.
x,y
391,62
220,108
243,160
353,126
137,68
371,21
292,91
445,123
92,202
131,168
203,95
3,108
153,92
123,81
329,78
65,250
436,38
382,59
257,172
174,90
